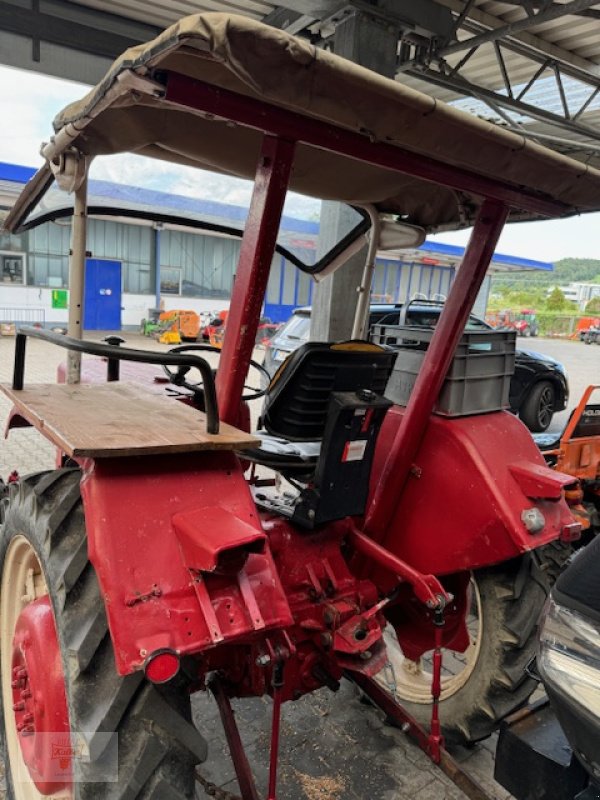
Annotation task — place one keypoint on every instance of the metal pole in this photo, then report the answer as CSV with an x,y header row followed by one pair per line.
x,y
361,317
256,254
77,278
157,230
234,741
436,363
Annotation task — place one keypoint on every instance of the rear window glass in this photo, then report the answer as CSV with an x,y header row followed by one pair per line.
x,y
298,327
127,185
429,318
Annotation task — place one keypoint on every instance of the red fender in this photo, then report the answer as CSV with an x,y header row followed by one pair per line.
x,y
166,535
463,506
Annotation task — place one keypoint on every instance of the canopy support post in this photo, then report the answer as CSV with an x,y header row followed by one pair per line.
x,y
254,265
406,444
361,316
77,277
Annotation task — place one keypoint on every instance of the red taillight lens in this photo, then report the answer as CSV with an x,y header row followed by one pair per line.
x,y
570,532
162,666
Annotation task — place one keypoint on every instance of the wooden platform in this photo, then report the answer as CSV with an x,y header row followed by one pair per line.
x,y
118,419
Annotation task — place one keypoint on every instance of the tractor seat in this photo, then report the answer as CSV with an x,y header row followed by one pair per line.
x,y
323,411
298,399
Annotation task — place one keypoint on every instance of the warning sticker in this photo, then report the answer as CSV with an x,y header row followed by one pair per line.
x,y
354,451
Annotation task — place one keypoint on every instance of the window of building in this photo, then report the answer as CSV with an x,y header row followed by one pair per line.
x,y
170,280
12,268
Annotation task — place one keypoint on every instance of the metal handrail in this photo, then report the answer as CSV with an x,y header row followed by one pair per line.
x,y
114,355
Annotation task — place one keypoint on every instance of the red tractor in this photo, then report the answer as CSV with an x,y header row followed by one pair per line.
x,y
154,562
526,323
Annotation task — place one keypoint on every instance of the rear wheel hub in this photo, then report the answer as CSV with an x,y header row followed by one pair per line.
x,y
39,700
36,719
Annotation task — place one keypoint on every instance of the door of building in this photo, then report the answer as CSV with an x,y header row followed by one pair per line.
x,y
102,295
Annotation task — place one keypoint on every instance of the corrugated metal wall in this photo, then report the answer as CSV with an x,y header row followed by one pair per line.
x,y
194,265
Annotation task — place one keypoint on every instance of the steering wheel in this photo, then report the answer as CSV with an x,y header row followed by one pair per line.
x,y
177,377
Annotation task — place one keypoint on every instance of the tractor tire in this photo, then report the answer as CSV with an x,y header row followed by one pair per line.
x,y
537,410
488,682
156,747
554,558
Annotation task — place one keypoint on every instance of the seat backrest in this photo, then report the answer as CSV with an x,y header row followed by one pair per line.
x,y
297,400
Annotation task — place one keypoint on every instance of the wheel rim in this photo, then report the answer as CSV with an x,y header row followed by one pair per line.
x,y
410,681
33,689
546,406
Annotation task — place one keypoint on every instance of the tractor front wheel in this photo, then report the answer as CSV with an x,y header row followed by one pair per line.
x,y
486,683
71,726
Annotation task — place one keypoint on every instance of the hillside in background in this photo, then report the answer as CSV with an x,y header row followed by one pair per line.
x,y
585,270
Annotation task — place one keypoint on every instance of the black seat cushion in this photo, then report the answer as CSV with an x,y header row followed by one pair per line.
x,y
297,400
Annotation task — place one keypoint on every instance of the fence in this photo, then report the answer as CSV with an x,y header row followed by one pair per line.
x,y
28,316
559,325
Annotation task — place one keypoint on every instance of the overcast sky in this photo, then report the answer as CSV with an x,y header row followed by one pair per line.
x,y
30,101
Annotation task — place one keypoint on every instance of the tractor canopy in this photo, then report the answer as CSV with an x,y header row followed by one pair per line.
x,y
146,104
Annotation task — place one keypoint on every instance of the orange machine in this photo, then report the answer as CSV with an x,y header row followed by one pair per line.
x,y
576,452
184,323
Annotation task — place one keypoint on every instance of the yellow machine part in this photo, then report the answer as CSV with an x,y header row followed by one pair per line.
x,y
170,337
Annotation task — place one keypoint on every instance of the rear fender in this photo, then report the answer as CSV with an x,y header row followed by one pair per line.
x,y
181,557
467,500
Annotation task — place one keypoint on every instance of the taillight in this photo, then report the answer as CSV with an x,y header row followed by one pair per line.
x,y
162,666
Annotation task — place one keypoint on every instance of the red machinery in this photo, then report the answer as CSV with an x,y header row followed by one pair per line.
x,y
151,564
524,322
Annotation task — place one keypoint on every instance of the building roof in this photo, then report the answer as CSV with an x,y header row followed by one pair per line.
x,y
15,176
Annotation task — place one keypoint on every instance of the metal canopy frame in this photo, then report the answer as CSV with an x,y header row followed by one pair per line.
x,y
444,59
461,48
473,30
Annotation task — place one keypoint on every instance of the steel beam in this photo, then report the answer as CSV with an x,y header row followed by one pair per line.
x,y
529,41
288,20
96,37
555,11
464,87
372,42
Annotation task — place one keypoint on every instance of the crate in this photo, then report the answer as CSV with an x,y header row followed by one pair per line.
x,y
479,376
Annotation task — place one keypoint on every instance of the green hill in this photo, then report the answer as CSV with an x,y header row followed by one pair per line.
x,y
585,270
567,270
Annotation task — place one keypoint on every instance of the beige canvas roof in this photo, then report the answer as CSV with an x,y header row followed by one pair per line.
x,y
125,112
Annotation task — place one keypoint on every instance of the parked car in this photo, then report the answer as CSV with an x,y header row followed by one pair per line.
x,y
556,745
538,389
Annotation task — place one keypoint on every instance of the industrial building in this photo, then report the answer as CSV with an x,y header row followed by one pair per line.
x,y
134,266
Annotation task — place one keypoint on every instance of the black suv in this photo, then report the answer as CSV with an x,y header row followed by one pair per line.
x,y
538,388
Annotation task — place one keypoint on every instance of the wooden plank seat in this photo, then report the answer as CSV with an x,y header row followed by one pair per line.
x,y
119,419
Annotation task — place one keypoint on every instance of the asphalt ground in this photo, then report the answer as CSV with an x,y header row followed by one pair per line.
x,y
583,368
333,746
